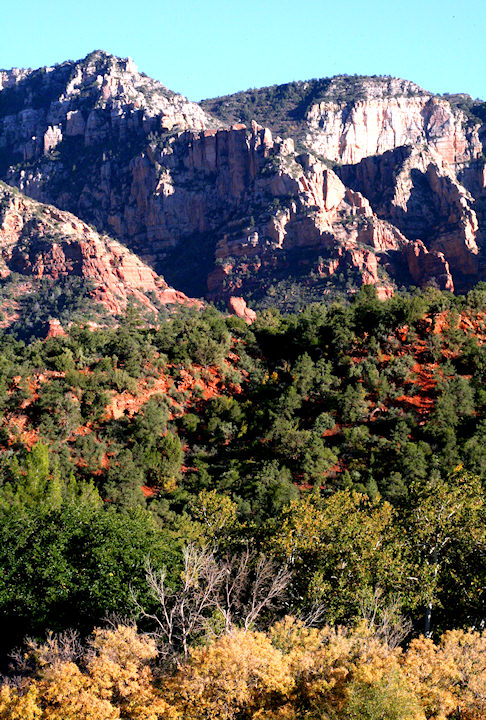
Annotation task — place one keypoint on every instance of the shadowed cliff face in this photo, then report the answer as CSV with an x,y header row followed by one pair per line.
x,y
233,210
253,200
415,190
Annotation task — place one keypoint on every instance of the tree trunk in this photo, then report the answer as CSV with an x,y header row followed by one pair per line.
x,y
428,612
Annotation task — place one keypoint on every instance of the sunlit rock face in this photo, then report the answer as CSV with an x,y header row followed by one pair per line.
x,y
97,99
39,241
390,117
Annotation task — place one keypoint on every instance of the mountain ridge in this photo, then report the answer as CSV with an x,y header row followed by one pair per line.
x,y
279,209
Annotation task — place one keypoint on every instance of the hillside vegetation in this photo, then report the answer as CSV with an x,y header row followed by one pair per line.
x,y
206,519
215,482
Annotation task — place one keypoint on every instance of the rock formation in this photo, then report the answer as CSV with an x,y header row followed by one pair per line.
x,y
54,328
348,118
238,306
425,266
95,100
374,125
384,184
41,242
416,191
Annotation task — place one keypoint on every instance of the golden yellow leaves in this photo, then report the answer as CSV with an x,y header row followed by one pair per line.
x,y
449,677
19,705
115,682
242,671
290,673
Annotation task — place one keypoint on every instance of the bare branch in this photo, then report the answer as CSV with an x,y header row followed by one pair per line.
x,y
239,588
384,620
314,616
269,584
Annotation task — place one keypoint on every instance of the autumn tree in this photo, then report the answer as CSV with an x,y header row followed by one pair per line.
x,y
449,677
109,679
239,675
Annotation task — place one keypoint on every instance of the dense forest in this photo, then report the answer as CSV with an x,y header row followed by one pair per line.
x,y
292,512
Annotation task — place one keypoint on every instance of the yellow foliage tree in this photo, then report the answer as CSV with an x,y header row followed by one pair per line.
x,y
121,673
19,704
342,547
241,671
333,668
290,673
449,678
62,693
117,682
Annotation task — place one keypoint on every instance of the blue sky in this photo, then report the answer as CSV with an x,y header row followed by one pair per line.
x,y
218,47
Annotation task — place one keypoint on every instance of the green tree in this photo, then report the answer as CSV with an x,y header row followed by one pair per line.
x,y
446,532
340,549
66,559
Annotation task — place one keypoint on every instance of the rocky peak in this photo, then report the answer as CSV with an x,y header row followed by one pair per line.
x,y
366,87
115,83
100,98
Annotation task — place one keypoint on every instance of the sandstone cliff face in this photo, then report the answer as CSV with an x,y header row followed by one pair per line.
x,y
252,195
415,190
39,241
237,211
348,118
259,200
425,266
375,125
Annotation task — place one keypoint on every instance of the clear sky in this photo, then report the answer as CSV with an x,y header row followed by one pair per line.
x,y
204,49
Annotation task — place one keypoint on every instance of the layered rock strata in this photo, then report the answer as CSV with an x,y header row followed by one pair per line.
x,y
348,133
